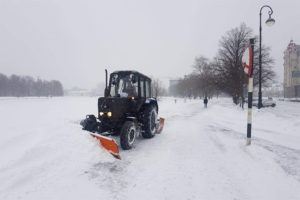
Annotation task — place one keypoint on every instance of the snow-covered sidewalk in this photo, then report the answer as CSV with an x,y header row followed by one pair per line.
x,y
201,153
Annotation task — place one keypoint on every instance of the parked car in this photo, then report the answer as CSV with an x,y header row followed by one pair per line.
x,y
265,102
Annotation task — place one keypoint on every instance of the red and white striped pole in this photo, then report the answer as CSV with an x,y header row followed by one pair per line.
x,y
247,62
250,93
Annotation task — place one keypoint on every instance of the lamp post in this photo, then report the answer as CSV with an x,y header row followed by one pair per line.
x,y
270,21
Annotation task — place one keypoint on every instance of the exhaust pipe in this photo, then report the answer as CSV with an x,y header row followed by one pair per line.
x,y
105,78
106,93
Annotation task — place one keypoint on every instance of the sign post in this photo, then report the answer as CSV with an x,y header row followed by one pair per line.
x,y
247,62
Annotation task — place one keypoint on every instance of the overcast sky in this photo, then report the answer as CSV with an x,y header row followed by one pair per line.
x,y
75,40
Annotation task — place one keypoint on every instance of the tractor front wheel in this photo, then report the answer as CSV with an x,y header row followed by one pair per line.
x,y
128,135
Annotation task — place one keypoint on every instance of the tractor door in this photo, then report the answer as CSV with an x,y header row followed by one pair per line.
x,y
147,88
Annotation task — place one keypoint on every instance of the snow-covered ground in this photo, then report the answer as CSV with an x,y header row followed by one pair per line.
x,y
201,153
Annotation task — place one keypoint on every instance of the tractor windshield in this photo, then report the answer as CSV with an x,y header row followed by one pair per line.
x,y
123,85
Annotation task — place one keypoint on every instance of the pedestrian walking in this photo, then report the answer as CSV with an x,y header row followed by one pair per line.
x,y
205,102
242,101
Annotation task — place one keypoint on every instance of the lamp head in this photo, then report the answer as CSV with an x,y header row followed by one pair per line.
x,y
270,21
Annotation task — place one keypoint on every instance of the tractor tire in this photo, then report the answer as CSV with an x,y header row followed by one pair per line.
x,y
128,135
149,122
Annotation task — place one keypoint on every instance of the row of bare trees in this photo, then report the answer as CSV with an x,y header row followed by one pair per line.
x,y
224,73
20,86
158,89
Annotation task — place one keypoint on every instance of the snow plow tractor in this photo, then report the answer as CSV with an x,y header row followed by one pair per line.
x,y
127,109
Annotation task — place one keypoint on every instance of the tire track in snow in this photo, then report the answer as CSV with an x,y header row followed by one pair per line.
x,y
121,176
166,165
287,158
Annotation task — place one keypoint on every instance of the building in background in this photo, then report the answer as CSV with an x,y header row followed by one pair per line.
x,y
291,65
75,91
173,82
172,87
274,90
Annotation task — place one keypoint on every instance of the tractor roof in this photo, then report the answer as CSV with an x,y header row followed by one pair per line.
x,y
125,72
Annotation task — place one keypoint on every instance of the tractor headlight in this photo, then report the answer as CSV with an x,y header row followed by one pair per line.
x,y
101,113
109,114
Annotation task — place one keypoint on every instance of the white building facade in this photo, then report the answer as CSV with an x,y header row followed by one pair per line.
x,y
291,65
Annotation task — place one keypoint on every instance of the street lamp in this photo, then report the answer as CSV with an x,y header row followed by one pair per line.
x,y
270,21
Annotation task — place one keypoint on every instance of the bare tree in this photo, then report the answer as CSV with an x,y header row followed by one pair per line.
x,y
227,65
225,72
206,77
200,83
4,81
26,86
157,88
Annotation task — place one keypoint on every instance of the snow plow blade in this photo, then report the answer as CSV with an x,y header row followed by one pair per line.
x,y
109,144
161,125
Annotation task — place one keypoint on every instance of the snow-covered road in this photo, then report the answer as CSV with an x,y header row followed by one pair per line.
x,y
201,153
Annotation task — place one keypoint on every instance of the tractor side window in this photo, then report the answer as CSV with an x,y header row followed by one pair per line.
x,y
121,89
113,85
147,89
142,87
113,90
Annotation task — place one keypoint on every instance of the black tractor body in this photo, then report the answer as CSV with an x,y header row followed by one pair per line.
x,y
127,108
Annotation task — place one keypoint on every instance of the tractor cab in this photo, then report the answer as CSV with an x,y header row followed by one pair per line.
x,y
129,84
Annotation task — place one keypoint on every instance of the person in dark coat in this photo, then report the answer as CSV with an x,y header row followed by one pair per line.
x,y
130,90
205,102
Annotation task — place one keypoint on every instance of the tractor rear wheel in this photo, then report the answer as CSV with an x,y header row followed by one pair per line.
x,y
128,135
149,122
